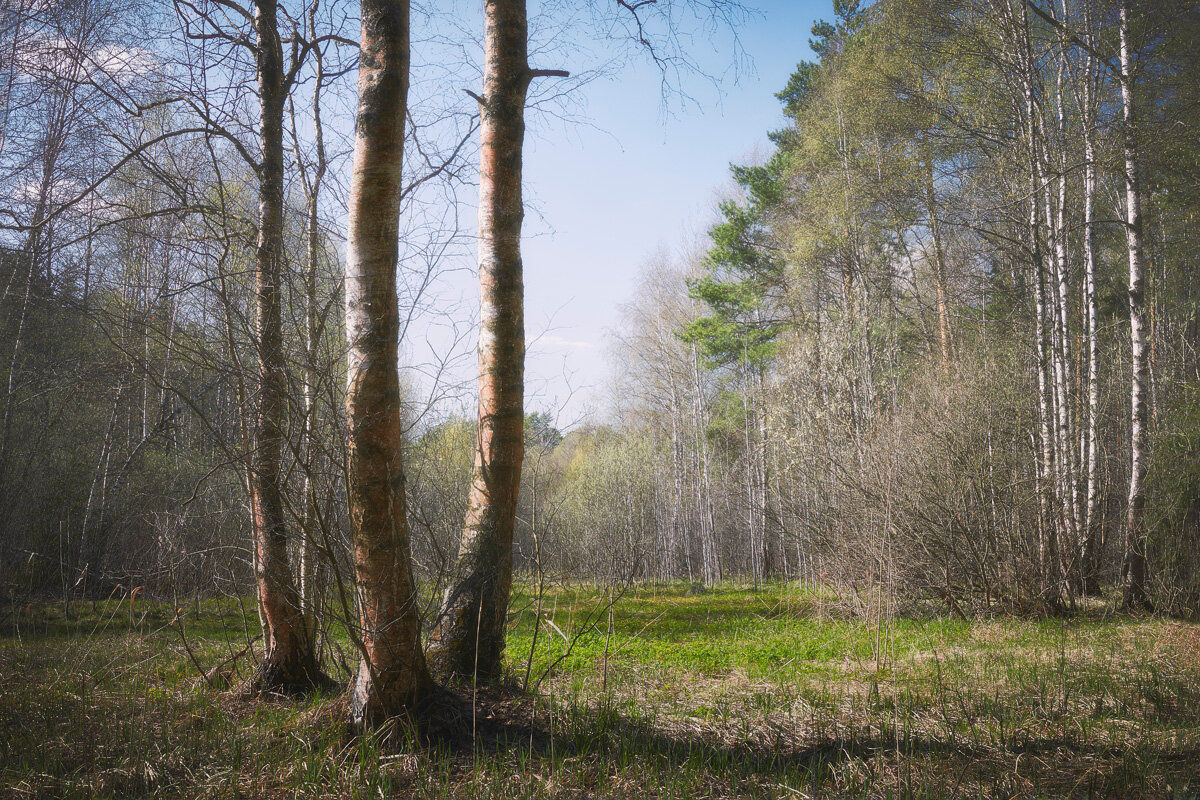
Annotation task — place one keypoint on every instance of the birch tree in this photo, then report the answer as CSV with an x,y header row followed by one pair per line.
x,y
468,639
392,675
1133,572
290,661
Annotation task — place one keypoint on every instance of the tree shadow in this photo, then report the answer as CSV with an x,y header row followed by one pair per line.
x,y
506,721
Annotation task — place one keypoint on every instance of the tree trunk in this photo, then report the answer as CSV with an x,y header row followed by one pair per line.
x,y
710,554
1134,570
1047,463
468,639
290,663
392,676
310,564
939,264
1064,391
1088,557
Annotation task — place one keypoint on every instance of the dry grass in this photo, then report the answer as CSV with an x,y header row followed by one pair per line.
x,y
707,696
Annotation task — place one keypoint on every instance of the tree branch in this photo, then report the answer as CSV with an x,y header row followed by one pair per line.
x,y
1073,38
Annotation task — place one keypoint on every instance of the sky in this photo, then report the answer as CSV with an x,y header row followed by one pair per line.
x,y
605,194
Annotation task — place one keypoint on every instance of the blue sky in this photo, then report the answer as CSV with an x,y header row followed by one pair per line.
x,y
606,194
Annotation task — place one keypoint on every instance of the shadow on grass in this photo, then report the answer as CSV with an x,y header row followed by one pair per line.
x,y
909,762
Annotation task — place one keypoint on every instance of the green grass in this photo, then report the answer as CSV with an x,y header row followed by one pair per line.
x,y
726,693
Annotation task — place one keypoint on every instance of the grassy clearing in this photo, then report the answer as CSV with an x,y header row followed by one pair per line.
x,y
728,693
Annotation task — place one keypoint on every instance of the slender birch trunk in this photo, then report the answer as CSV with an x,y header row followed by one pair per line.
x,y
705,513
468,639
1134,568
1088,556
939,263
677,477
1047,463
774,556
310,565
1059,367
1068,428
289,664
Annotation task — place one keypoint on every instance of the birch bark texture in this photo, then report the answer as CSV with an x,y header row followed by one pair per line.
x,y
468,639
290,662
1133,572
392,676
1091,521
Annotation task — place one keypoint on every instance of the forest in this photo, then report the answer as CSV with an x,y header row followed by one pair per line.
x,y
893,489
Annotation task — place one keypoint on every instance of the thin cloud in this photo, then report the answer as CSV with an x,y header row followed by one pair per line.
x,y
558,341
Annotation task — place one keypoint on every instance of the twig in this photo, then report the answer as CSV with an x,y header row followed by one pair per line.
x,y
188,648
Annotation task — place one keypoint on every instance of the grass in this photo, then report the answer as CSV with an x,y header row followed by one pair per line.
x,y
726,693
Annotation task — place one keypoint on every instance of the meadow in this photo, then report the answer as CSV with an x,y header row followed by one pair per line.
x,y
670,692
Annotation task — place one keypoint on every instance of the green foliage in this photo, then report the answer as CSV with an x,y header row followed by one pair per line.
x,y
540,430
800,86
831,38
744,272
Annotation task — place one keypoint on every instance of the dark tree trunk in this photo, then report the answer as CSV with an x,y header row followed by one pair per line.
x,y
290,663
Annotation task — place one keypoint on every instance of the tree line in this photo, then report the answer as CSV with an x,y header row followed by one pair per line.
x,y
943,334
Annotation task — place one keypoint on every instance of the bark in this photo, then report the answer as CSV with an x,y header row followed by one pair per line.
x,y
1059,368
939,264
1047,472
1134,569
1068,483
774,558
310,566
677,517
710,555
1047,464
756,550
392,676
468,639
1088,556
289,664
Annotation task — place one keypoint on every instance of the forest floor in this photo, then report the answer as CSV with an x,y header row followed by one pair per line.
x,y
727,692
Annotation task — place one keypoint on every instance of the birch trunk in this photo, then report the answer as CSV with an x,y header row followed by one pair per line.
x,y
1088,556
1134,569
469,637
468,640
392,676
939,263
1048,539
289,664
310,566
1059,367
1064,389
